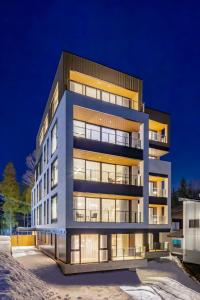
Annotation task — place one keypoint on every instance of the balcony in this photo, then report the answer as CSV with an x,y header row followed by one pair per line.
x,y
157,192
127,253
115,216
104,95
106,140
157,137
156,219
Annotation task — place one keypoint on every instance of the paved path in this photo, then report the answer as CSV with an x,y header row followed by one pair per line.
x,y
101,286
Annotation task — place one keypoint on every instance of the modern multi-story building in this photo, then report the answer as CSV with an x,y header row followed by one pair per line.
x,y
101,198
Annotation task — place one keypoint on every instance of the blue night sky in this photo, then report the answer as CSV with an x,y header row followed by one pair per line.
x,y
159,41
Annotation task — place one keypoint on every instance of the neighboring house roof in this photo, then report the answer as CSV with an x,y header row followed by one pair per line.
x,y
176,234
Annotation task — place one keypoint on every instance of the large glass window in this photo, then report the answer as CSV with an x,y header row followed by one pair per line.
x,y
79,209
108,135
92,132
54,209
122,174
105,96
79,168
79,129
76,87
54,139
92,171
99,94
122,210
89,248
54,173
122,138
90,92
93,209
108,173
108,210
104,134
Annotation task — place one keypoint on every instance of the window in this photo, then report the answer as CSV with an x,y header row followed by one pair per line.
x,y
45,184
79,168
194,223
54,209
47,211
122,138
54,173
76,87
105,96
75,249
79,209
92,171
103,251
92,132
47,156
108,173
122,174
40,190
54,102
79,129
108,135
40,215
100,94
47,181
54,139
122,210
90,92
93,209
108,210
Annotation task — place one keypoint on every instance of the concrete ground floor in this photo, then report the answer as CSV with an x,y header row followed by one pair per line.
x,y
80,251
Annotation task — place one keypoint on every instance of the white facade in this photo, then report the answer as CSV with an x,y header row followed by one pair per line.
x,y
191,231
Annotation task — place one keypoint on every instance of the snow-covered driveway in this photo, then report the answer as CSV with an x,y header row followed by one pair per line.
x,y
161,288
163,279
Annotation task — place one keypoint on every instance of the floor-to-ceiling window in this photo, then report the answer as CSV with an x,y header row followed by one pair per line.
x,y
104,134
127,246
96,171
88,248
90,209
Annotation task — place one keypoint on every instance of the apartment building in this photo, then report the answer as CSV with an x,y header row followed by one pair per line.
x,y
102,195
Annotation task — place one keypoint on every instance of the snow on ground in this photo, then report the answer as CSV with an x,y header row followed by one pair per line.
x,y
16,283
164,279
33,275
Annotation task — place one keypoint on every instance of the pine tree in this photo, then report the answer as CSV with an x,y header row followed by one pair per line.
x,y
9,189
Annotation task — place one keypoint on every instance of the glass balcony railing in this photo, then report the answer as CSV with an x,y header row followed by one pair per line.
x,y
106,176
156,192
106,137
127,253
115,216
157,219
158,137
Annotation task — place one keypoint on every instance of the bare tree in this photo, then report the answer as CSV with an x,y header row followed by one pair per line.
x,y
28,177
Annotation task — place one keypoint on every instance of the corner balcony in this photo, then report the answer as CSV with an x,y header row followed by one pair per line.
x,y
121,138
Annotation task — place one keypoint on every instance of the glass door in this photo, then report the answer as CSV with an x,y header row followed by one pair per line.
x,y
89,248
